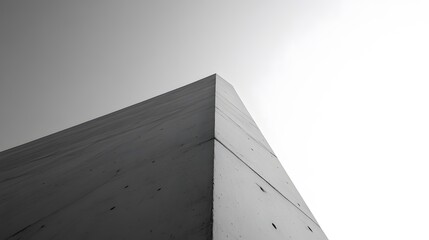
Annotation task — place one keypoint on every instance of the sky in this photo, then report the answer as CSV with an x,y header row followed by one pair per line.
x,y
339,88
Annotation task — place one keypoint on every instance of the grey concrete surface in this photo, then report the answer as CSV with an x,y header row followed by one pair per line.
x,y
248,207
236,129
188,164
144,172
254,198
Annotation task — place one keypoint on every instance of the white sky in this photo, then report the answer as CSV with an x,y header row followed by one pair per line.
x,y
348,113
339,88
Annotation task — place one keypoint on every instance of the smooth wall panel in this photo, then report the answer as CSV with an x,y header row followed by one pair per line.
x,y
247,207
228,101
144,172
237,131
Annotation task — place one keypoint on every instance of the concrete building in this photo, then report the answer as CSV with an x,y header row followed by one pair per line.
x,y
188,164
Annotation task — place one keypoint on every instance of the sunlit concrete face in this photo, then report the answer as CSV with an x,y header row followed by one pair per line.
x,y
254,198
188,164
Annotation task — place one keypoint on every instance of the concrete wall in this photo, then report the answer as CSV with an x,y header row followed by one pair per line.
x,y
254,198
144,172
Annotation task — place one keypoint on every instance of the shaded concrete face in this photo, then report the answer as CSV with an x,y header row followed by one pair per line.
x,y
142,172
188,164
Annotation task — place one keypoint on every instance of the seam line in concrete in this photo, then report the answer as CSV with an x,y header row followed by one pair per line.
x,y
267,182
245,132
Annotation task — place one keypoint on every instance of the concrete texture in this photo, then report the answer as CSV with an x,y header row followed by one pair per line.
x,y
188,164
246,206
254,198
236,129
144,172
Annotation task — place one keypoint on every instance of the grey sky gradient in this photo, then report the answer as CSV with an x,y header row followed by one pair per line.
x,y
63,62
338,87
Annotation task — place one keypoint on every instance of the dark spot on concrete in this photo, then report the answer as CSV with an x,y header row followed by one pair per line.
x,y
274,226
262,189
159,189
118,170
299,204
126,186
90,170
112,208
42,226
251,148
310,229
153,161
43,183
